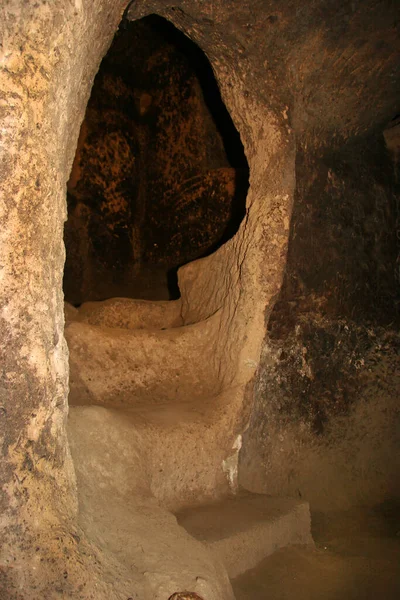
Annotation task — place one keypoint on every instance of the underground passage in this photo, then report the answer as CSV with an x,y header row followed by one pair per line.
x,y
199,270
159,177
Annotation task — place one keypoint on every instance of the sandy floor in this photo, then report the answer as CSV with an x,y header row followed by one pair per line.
x,y
357,557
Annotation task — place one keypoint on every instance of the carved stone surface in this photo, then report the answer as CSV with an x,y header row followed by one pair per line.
x,y
294,76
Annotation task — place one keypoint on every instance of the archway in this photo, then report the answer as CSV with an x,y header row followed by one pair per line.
x,y
279,72
159,176
222,291
157,388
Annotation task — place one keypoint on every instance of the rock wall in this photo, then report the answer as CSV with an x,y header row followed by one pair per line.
x,y
50,55
326,421
285,69
152,185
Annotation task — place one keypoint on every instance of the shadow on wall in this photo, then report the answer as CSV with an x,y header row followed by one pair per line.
x,y
160,177
326,420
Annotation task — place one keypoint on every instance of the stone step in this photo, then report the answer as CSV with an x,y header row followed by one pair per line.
x,y
187,452
133,466
242,530
119,514
127,313
120,367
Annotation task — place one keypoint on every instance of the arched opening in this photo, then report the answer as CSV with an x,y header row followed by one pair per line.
x,y
159,177
161,391
155,399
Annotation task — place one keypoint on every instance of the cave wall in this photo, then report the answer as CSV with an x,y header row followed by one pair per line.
x,y
151,187
319,428
326,423
343,242
49,57
285,69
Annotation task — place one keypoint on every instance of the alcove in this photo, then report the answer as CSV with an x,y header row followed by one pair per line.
x,y
160,175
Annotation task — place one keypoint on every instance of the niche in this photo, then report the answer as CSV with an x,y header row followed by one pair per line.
x,y
159,177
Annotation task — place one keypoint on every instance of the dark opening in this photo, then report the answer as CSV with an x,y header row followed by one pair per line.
x,y
160,176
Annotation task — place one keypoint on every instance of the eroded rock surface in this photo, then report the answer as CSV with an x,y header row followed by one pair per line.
x,y
292,76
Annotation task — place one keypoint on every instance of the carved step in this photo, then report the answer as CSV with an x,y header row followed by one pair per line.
x,y
123,458
186,452
118,512
243,530
119,367
127,313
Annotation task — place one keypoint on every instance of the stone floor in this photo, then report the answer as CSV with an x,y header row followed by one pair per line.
x,y
356,557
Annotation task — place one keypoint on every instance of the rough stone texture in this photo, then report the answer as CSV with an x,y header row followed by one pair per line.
x,y
114,453
182,446
242,530
127,313
326,422
110,366
286,71
152,185
48,61
50,55
343,242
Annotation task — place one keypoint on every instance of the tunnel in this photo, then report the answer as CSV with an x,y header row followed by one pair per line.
x,y
159,176
199,267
